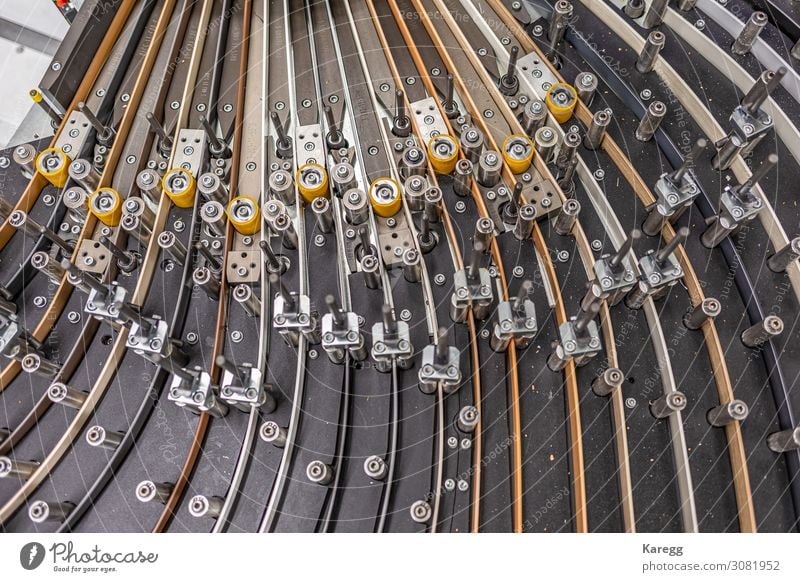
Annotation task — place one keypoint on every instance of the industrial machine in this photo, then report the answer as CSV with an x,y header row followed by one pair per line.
x,y
406,266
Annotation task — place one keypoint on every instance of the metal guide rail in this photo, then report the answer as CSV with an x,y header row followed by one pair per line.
x,y
405,266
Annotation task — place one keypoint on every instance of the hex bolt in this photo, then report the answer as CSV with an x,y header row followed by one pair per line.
x,y
48,265
19,469
472,143
484,232
525,219
433,203
205,279
147,491
97,436
568,149
134,226
421,511
655,15
356,209
321,207
597,129
534,117
562,12
735,410
708,308
650,51
371,269
35,364
82,171
747,37
244,296
763,331
60,393
668,404
585,86
651,121
319,473
170,243
607,382
44,511
567,216
412,266
783,257
202,506
462,178
272,433
784,441
468,419
634,8
376,468
490,166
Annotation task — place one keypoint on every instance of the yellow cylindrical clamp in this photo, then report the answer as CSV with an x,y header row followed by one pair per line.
x,y
443,153
244,216
106,205
312,181
35,95
53,164
384,195
180,186
561,99
518,153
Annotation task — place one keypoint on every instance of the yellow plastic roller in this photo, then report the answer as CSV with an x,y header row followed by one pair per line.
x,y
312,181
518,153
106,205
53,164
180,186
384,195
243,214
443,153
561,100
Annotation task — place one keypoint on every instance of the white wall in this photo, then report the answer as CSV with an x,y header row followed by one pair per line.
x,y
21,68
